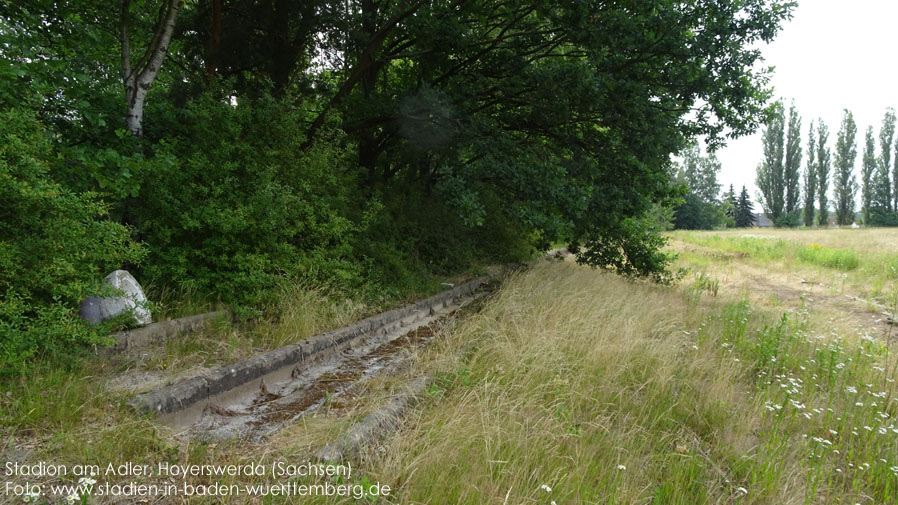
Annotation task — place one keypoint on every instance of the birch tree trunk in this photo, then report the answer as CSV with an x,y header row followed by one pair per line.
x,y
138,78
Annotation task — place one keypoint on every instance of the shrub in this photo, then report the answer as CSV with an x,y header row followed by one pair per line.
x,y
55,247
230,203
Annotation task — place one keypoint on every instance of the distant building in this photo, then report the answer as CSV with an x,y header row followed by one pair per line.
x,y
761,220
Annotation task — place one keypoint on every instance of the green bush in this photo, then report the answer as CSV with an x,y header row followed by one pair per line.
x,y
231,204
55,247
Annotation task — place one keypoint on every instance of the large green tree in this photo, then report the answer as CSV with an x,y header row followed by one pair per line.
x,y
844,180
792,162
557,119
771,177
824,162
868,170
538,99
810,179
882,180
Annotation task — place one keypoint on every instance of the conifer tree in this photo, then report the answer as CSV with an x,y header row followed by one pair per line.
x,y
810,179
745,212
823,166
730,202
844,181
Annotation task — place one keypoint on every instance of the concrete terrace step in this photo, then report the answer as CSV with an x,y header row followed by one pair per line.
x,y
189,391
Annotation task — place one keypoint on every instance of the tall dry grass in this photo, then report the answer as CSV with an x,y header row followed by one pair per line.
x,y
575,386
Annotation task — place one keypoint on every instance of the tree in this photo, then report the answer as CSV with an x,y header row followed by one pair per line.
x,y
529,100
882,198
745,213
771,177
868,169
700,209
699,173
792,161
730,203
823,168
554,119
810,179
845,183
138,75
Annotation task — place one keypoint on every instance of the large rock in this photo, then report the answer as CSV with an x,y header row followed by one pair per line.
x,y
97,309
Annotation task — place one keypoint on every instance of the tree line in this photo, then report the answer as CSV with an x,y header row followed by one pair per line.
x,y
791,196
703,207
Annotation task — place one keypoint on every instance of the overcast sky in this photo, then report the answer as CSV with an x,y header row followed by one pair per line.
x,y
832,55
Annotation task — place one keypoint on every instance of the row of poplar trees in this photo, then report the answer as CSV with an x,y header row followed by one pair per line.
x,y
791,197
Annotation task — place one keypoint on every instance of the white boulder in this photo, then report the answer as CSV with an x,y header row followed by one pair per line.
x,y
97,309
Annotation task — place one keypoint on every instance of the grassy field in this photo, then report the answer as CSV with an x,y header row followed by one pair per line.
x,y
766,376
606,391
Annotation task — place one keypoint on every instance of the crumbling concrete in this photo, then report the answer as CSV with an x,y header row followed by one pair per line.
x,y
189,391
375,426
132,343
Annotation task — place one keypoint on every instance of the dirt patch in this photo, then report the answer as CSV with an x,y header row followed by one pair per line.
x,y
772,284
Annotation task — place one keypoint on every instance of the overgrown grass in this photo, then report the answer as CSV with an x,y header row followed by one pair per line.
x,y
75,413
776,249
611,392
570,386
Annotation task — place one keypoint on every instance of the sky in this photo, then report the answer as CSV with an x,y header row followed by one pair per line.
x,y
832,55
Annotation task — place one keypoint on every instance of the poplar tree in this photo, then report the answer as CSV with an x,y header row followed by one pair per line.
x,y
810,179
771,180
844,181
882,180
792,162
868,169
823,165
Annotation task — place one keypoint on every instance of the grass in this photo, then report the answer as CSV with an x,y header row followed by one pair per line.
x,y
574,386
606,391
867,253
75,413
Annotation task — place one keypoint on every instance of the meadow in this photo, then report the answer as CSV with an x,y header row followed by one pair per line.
x,y
766,375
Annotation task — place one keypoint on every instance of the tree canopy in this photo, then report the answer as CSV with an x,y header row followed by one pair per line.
x,y
242,142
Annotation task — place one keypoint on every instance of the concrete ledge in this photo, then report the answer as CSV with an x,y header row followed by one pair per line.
x,y
375,426
133,341
194,389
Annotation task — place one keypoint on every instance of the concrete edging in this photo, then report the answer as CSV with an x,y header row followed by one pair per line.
x,y
375,426
132,341
191,390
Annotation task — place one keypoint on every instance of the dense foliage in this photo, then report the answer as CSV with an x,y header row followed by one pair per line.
x,y
55,247
371,143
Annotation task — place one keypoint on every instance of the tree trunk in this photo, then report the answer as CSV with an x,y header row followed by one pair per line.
x,y
135,95
137,79
214,42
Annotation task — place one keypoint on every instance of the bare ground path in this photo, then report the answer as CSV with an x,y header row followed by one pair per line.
x,y
773,283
